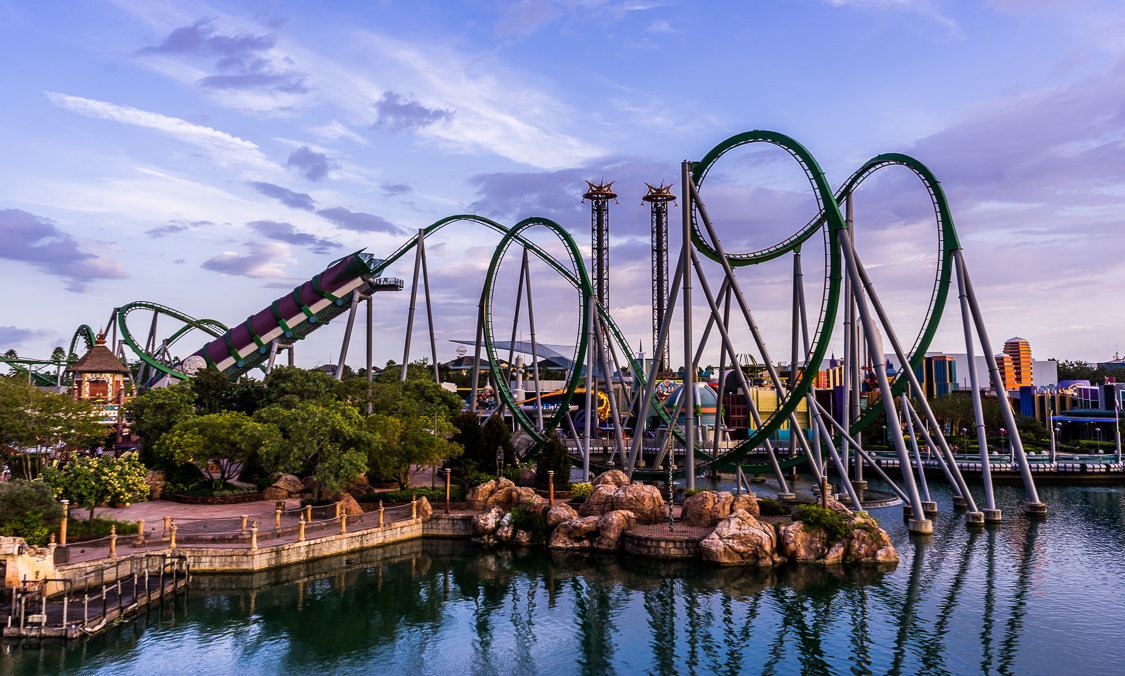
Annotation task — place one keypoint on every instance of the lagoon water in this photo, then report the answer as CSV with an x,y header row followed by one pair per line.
x,y
1027,597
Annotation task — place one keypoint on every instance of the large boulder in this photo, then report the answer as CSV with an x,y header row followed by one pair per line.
x,y
156,482
425,511
613,477
505,531
349,506
865,542
560,513
611,529
747,502
275,493
696,510
741,540
869,543
359,487
643,501
309,484
485,524
574,534
512,495
478,495
794,542
290,484
527,477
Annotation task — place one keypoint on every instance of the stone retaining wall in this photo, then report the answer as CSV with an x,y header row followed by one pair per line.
x,y
662,547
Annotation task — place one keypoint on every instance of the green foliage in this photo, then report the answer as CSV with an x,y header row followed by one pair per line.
x,y
771,507
215,392
88,482
409,444
553,457
19,497
434,495
473,459
31,417
157,411
98,528
512,473
532,521
290,386
183,478
693,491
1080,370
815,518
28,526
476,479
209,490
327,439
496,435
230,438
580,491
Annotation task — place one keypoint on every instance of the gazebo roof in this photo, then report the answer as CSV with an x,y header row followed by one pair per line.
x,y
99,360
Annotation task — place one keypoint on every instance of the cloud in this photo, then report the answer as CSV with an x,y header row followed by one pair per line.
x,y
241,65
923,8
661,27
258,263
224,148
359,221
173,227
312,165
335,130
179,261
285,232
396,114
31,239
393,189
296,200
12,336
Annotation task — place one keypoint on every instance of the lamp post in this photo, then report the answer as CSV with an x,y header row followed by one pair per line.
x,y
499,461
885,444
965,439
1098,430
1004,439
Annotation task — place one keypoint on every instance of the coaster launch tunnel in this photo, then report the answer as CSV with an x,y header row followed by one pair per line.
x,y
292,316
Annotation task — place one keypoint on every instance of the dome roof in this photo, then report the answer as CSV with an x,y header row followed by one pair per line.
x,y
706,401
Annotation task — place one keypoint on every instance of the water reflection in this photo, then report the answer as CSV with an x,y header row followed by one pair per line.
x,y
965,601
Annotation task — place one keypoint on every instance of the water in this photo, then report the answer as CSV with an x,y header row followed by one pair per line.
x,y
1023,598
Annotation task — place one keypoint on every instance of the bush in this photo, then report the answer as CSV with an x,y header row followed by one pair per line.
x,y
99,528
512,473
580,491
183,478
533,522
771,507
456,493
553,457
19,498
206,491
472,478
818,518
29,527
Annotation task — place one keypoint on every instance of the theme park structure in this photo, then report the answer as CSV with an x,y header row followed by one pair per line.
x,y
818,438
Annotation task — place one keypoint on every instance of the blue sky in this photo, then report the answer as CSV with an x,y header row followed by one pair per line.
x,y
210,156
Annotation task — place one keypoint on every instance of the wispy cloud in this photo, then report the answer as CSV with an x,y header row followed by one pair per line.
x,y
335,130
286,232
296,200
258,263
225,149
359,221
38,241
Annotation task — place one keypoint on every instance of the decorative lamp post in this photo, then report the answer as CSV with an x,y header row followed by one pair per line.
x,y
499,461
447,473
965,439
885,444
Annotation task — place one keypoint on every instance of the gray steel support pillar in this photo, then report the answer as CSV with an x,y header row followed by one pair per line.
x,y
429,306
906,410
840,469
590,412
413,300
347,337
1033,505
688,390
875,348
476,362
722,376
619,439
859,449
370,341
534,349
974,384
273,355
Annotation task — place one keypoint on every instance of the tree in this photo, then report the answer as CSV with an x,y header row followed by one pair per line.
x,y
215,392
328,438
407,445
58,354
157,411
289,386
90,481
230,438
32,417
553,457
496,435
467,434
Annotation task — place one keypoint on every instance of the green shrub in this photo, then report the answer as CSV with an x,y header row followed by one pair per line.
x,y
693,491
19,498
474,478
531,521
512,473
456,493
553,457
833,524
771,507
183,478
580,491
29,527
80,528
205,491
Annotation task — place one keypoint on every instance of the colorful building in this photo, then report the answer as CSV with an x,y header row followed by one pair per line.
x,y
1019,351
101,379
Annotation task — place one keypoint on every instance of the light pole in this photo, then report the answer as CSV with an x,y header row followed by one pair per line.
x,y
1004,438
965,439
885,444
499,461
1098,430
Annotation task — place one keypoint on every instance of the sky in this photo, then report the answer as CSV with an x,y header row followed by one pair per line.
x,y
211,156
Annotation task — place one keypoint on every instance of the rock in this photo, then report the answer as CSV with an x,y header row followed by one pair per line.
x,y
349,506
835,553
613,477
741,540
527,477
512,495
643,501
521,537
275,493
504,483
747,503
574,534
504,532
156,482
485,524
838,507
425,511
722,509
612,527
869,543
696,511
290,484
359,487
795,543
560,513
309,484
478,495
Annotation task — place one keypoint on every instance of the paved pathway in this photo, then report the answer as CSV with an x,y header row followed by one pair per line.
x,y
158,509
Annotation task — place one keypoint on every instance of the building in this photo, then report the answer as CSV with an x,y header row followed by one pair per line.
x,y
1007,371
101,379
937,374
1019,351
